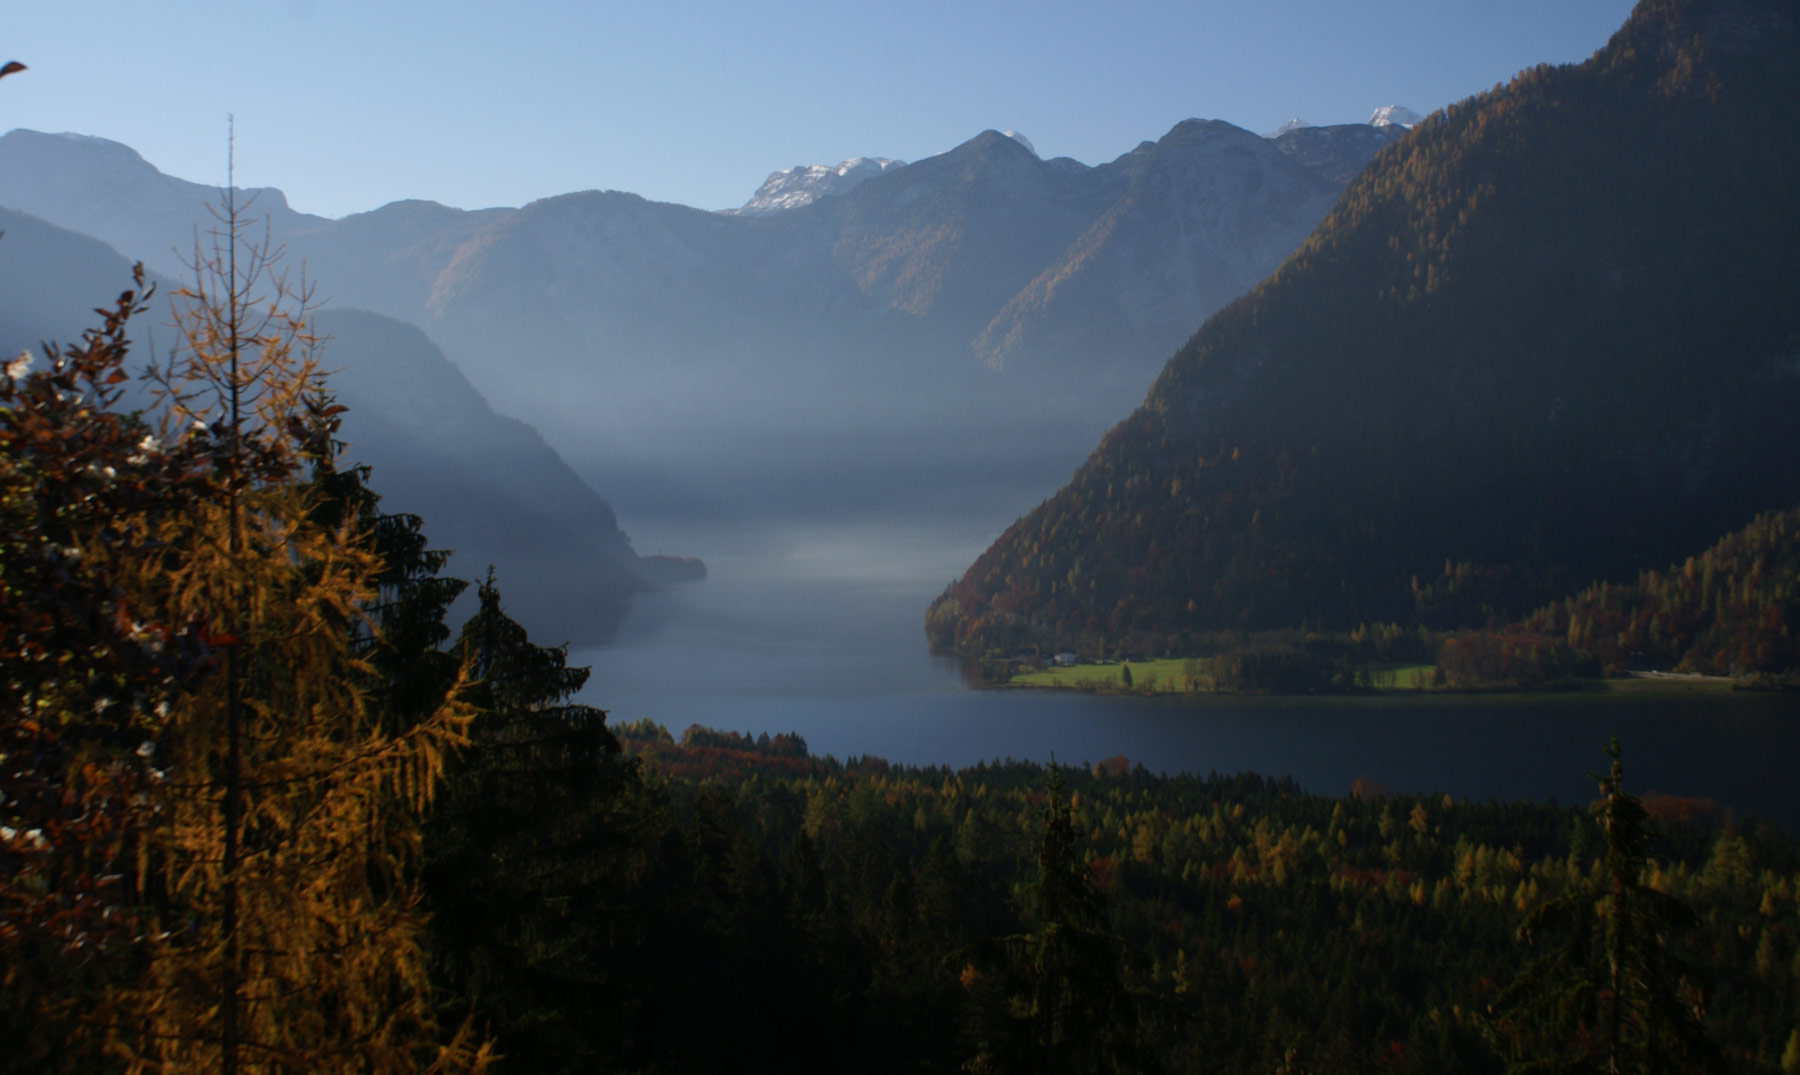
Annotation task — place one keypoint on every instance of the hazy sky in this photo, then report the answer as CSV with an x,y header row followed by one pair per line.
x,y
349,104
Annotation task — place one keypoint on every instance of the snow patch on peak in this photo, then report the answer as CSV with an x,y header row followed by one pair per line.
x,y
791,188
1020,138
1291,125
1394,116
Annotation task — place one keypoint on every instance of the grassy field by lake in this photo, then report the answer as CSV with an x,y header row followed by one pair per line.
x,y
1179,675
1147,677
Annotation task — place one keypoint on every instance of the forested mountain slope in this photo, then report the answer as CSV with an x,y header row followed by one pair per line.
x,y
1551,336
1735,608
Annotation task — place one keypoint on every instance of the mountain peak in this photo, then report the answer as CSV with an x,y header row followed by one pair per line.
x,y
1394,116
803,184
991,138
1193,129
115,154
1291,125
1019,137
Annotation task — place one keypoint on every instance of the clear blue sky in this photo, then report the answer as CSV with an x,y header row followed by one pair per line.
x,y
349,104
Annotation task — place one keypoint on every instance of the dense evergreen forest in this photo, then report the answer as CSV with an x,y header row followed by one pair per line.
x,y
1008,917
1544,340
1732,610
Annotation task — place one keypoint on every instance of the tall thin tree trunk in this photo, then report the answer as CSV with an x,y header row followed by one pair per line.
x,y
228,1011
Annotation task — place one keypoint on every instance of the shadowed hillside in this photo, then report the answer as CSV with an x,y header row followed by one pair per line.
x,y
1547,338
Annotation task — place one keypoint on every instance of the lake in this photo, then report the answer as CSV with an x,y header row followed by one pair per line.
x,y
818,636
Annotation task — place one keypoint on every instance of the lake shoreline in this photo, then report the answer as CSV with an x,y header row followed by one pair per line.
x,y
1187,677
1635,685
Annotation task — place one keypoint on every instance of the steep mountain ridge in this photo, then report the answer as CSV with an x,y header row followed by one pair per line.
x,y
958,233
1548,337
106,190
1224,205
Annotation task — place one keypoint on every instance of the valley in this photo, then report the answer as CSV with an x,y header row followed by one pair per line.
x,y
1324,600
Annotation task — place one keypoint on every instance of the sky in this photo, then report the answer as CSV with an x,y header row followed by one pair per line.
x,y
349,104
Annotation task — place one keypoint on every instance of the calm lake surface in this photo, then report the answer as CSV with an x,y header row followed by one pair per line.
x,y
813,639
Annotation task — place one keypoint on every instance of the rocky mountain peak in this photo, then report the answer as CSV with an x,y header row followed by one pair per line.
x,y
1394,115
803,184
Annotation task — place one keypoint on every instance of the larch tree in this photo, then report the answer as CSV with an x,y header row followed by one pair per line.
x,y
265,868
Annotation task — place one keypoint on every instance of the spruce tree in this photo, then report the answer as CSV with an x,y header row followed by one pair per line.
x,y
1069,1008
1607,989
524,852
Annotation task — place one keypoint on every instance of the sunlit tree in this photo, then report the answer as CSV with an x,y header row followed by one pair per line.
x,y
197,778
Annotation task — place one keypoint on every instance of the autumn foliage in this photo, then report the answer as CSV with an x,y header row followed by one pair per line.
x,y
211,835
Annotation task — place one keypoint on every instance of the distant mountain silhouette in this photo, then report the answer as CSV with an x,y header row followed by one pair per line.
x,y
487,486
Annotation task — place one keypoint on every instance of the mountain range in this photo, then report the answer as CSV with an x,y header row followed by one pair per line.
x,y
1550,337
976,314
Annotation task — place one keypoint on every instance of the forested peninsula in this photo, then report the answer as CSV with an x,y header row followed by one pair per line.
x,y
1730,614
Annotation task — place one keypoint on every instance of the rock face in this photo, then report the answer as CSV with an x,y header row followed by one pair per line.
x,y
1221,206
981,311
1546,339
